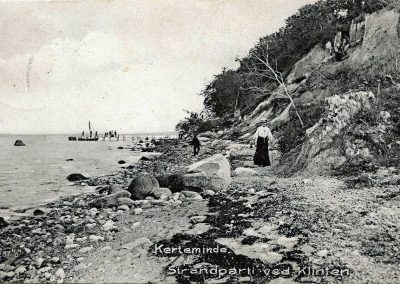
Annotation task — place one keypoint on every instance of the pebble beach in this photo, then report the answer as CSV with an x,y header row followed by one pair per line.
x,y
261,222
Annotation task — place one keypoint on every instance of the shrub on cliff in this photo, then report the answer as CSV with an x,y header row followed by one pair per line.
x,y
195,123
312,25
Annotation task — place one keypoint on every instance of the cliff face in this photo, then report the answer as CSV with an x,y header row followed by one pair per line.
x,y
331,91
379,34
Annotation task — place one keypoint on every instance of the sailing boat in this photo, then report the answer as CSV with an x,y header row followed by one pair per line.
x,y
87,138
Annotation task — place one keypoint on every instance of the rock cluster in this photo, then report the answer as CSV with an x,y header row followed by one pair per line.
x,y
42,248
340,111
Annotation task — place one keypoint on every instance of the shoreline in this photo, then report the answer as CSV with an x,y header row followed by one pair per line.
x,y
16,212
38,225
261,222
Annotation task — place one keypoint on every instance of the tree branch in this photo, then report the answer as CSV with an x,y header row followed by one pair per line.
x,y
277,76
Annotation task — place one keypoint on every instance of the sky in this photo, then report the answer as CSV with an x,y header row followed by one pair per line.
x,y
132,66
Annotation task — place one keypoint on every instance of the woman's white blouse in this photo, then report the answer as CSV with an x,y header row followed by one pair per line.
x,y
263,132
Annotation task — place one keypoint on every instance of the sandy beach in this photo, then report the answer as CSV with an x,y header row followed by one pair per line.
x,y
261,228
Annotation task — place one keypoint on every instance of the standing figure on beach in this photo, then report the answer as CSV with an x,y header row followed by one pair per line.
x,y
196,145
262,136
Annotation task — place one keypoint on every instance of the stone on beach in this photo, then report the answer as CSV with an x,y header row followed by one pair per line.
x,y
211,173
60,273
161,192
125,201
19,143
38,212
245,172
135,225
20,269
69,240
119,198
138,211
191,194
114,188
198,229
39,262
109,225
76,177
175,182
4,274
323,253
122,194
3,223
85,249
142,186
123,207
209,192
104,202
71,246
94,238
197,219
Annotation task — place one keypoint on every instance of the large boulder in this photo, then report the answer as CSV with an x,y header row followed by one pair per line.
x,y
211,173
76,177
142,186
175,182
19,143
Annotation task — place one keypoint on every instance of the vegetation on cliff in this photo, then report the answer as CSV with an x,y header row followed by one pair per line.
x,y
312,25
329,48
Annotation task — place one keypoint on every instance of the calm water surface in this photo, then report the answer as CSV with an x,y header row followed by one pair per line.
x,y
36,174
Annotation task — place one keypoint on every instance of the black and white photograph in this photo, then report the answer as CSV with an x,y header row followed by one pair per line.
x,y
200,141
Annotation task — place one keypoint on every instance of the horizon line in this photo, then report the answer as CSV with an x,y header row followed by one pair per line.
x,y
67,133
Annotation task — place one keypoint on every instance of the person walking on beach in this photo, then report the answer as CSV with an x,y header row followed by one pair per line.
x,y
262,136
196,145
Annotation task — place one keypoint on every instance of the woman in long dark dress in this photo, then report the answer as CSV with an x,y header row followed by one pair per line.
x,y
262,136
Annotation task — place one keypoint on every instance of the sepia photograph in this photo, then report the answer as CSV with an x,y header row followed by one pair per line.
x,y
200,141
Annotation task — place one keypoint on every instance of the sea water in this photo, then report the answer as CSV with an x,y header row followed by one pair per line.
x,y
36,174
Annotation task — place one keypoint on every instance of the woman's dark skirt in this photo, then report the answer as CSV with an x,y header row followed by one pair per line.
x,y
261,157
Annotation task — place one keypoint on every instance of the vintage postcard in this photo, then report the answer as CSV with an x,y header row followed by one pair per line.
x,y
200,141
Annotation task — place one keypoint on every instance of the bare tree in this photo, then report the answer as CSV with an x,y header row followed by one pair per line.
x,y
271,74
